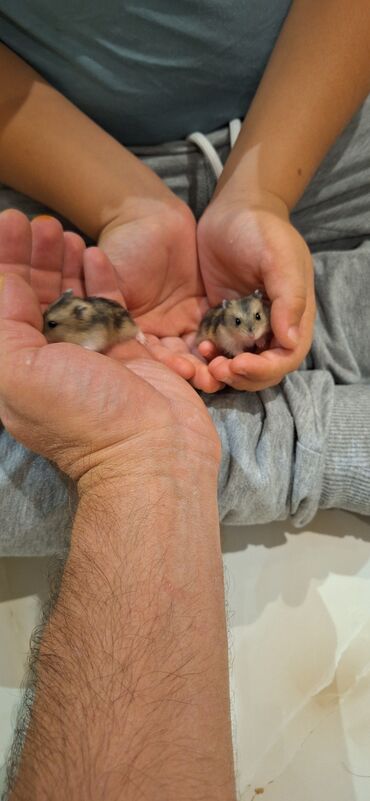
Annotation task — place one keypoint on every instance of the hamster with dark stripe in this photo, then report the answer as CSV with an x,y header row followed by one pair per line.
x,y
95,323
238,325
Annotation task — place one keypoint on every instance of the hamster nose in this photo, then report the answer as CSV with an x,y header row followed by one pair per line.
x,y
250,329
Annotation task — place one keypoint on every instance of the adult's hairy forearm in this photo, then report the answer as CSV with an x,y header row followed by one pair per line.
x,y
132,681
317,76
54,153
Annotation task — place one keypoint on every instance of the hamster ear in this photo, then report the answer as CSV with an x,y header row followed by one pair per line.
x,y
67,294
225,303
79,312
258,294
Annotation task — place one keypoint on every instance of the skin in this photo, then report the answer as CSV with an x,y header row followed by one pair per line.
x,y
219,326
136,644
317,76
245,238
91,322
111,196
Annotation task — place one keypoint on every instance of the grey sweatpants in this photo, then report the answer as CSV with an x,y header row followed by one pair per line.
x,y
286,451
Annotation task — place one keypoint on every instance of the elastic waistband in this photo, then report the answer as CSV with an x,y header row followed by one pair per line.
x,y
218,138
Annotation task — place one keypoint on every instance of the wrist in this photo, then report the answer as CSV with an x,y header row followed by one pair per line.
x,y
181,457
242,190
162,495
160,204
131,191
260,164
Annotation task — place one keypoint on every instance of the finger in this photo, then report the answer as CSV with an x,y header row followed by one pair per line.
x,y
181,345
20,340
270,365
15,243
289,286
204,380
72,270
286,317
246,385
47,258
179,364
173,352
251,369
175,344
240,381
20,314
175,355
207,349
100,276
125,351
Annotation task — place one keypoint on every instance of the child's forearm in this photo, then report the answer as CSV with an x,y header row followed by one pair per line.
x,y
52,152
317,76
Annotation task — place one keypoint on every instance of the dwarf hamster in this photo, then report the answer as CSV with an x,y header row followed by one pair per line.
x,y
95,323
237,325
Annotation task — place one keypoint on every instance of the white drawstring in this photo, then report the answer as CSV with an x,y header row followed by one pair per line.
x,y
209,151
234,128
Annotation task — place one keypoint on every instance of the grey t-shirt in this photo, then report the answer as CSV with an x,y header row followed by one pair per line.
x,y
149,71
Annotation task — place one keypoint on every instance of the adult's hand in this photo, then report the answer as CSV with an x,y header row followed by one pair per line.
x,y
139,620
82,409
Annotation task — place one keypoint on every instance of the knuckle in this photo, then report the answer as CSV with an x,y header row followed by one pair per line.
x,y
298,303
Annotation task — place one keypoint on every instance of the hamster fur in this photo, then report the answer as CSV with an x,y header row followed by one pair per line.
x,y
238,325
95,323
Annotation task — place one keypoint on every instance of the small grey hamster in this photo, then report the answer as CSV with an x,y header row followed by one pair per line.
x,y
95,323
238,325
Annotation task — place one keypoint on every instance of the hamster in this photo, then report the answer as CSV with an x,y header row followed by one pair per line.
x,y
95,323
238,325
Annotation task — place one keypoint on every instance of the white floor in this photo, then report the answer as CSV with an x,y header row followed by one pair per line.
x,y
299,616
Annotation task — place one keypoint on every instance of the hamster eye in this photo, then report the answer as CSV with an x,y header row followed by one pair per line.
x,y
52,324
237,321
257,316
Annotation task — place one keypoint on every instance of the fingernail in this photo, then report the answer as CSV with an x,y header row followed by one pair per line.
x,y
2,281
293,334
44,217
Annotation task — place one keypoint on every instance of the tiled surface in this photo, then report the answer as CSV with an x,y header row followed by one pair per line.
x,y
9,699
22,586
301,659
299,617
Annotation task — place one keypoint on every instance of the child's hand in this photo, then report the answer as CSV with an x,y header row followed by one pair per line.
x,y
155,257
243,247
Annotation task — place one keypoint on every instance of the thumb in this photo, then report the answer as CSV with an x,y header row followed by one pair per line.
x,y
20,340
289,284
286,315
20,323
